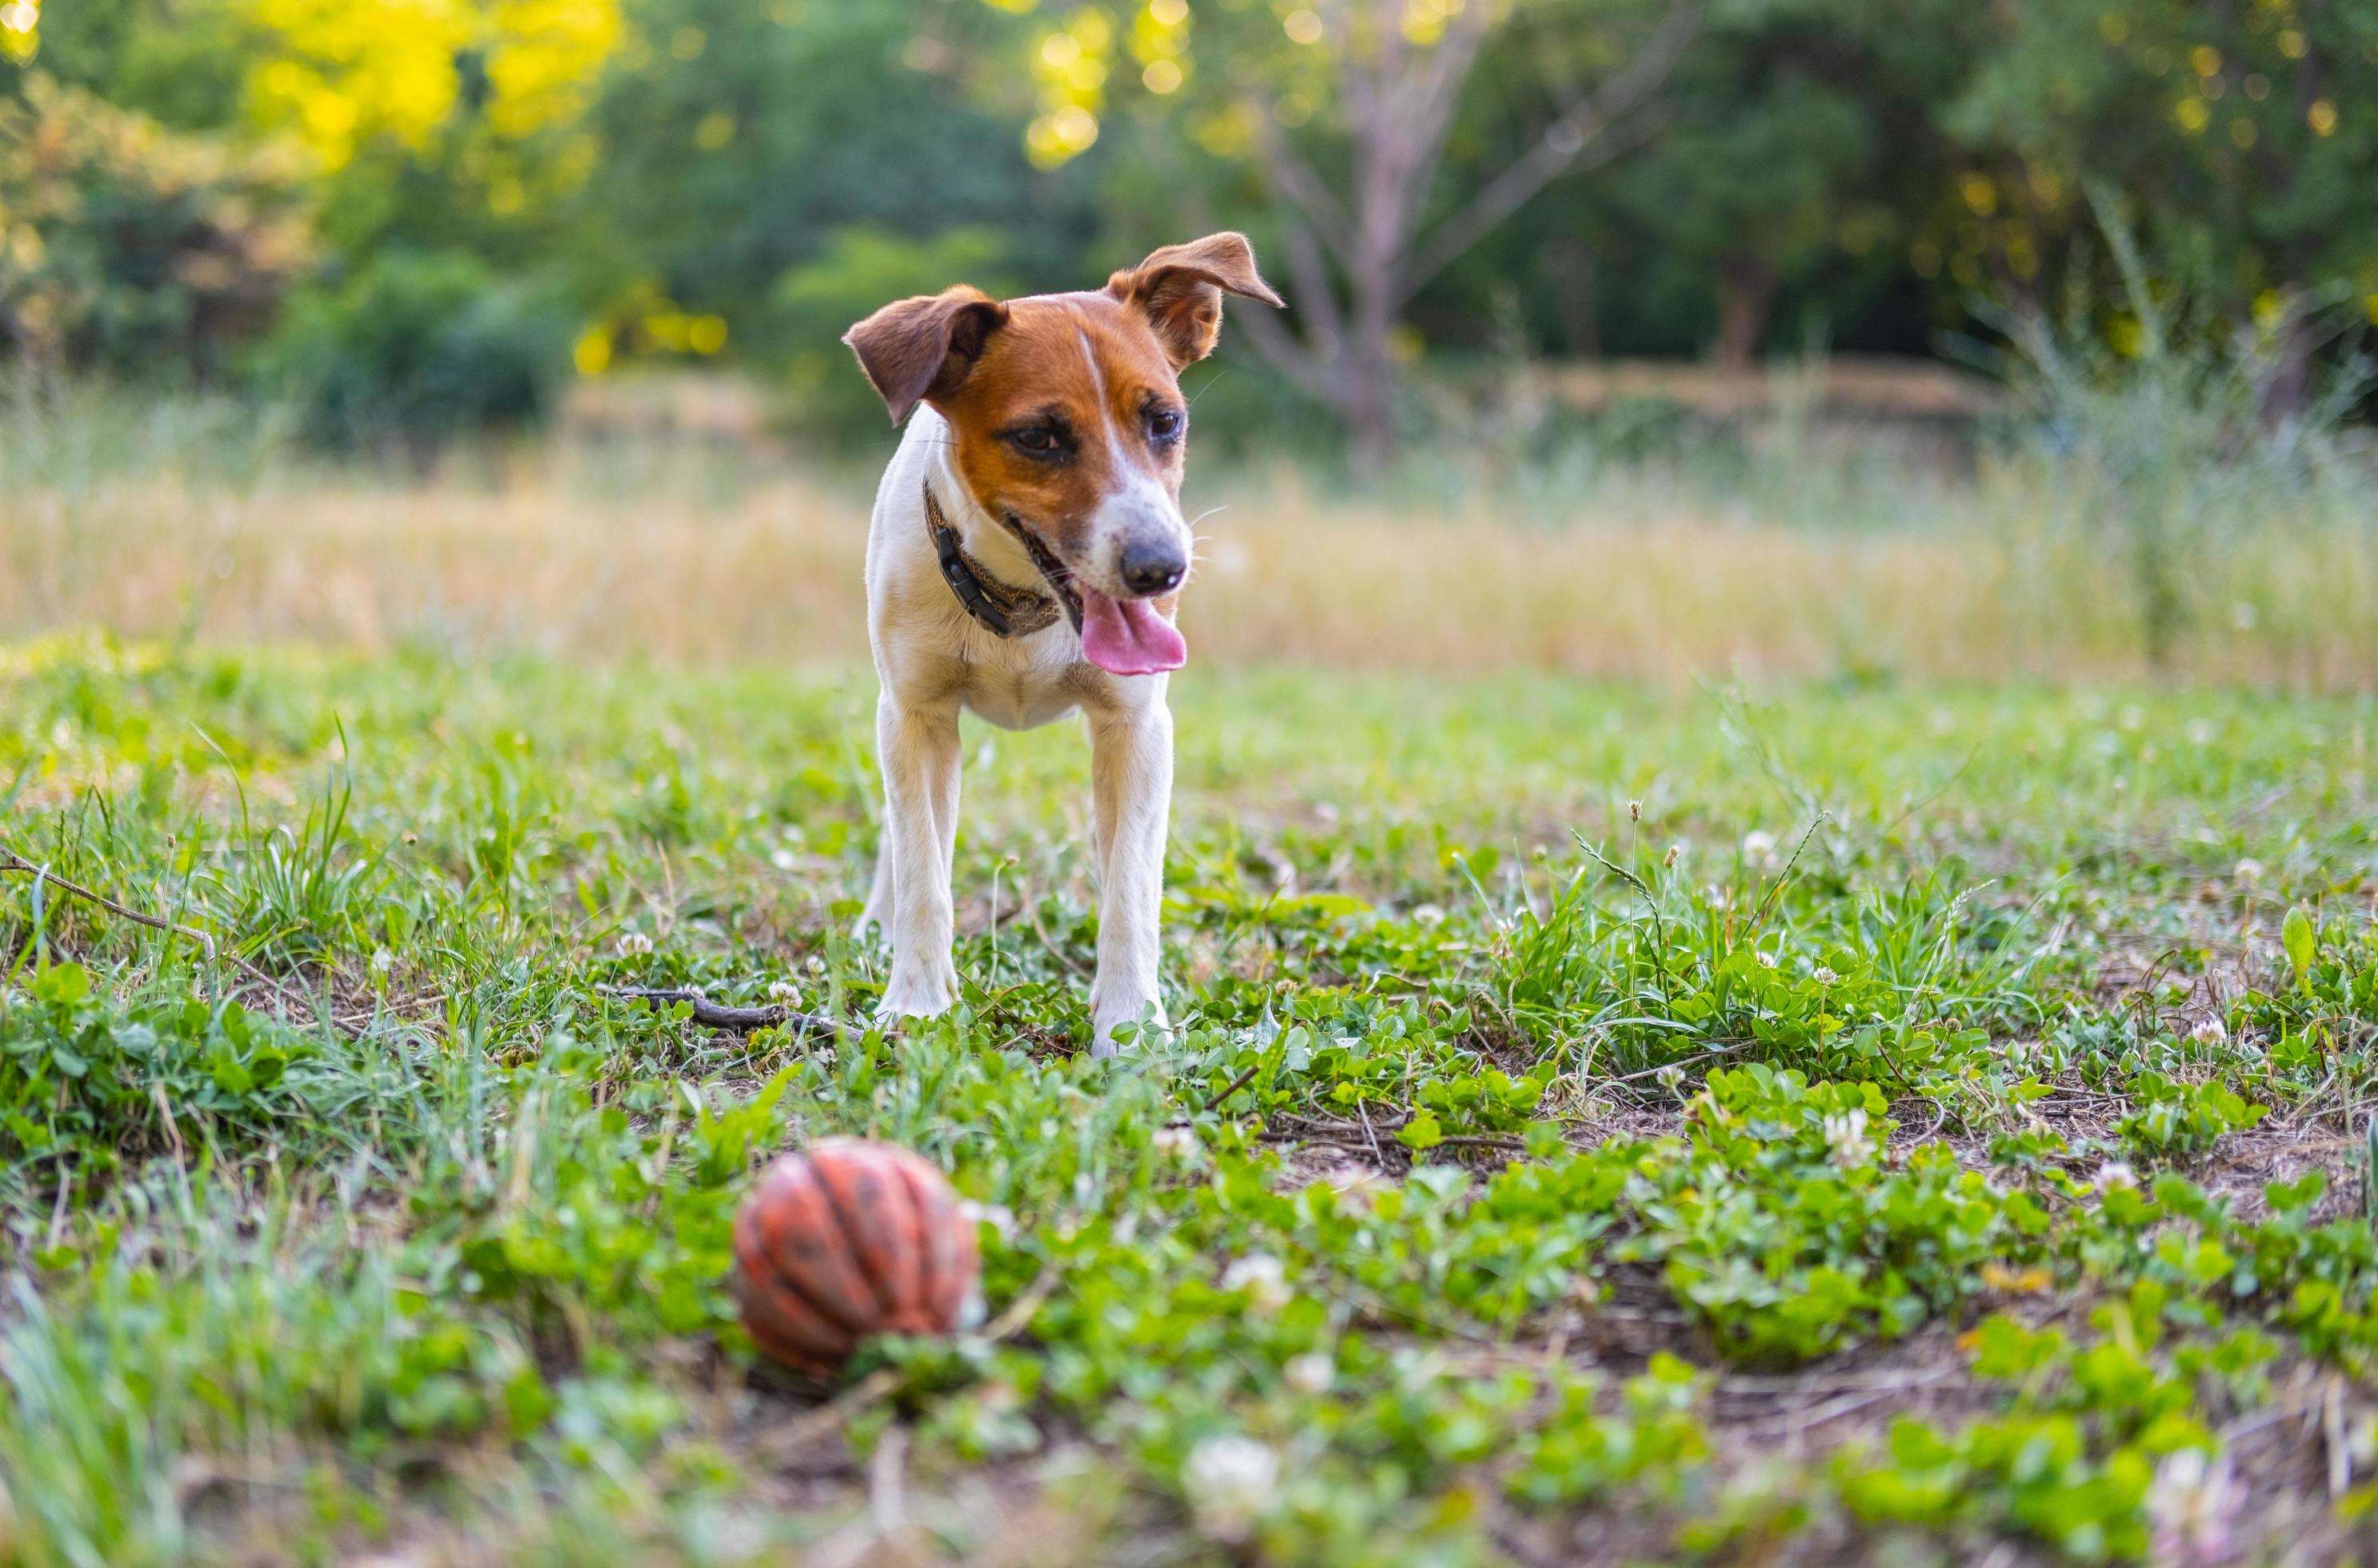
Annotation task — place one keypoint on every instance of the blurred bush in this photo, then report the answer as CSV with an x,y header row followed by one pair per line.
x,y
125,244
414,346
2167,452
863,268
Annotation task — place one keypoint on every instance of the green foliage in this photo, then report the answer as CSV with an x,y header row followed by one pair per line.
x,y
860,269
1311,1276
2175,1118
85,1078
129,247
1845,171
2230,127
418,345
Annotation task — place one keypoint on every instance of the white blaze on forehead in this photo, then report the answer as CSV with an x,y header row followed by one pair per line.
x,y
1135,489
1106,408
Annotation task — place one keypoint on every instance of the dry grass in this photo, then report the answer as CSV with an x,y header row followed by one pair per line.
x,y
716,557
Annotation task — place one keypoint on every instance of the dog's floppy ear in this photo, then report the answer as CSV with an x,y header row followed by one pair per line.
x,y
917,349
1181,289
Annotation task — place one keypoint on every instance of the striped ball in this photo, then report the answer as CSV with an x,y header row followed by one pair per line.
x,y
851,1238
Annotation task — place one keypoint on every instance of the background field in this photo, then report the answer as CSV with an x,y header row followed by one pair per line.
x,y
1938,1107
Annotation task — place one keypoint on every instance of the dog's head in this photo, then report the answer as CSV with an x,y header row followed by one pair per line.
x,y
1068,424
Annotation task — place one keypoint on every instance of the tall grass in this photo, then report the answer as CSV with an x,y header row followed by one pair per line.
x,y
2177,452
2130,528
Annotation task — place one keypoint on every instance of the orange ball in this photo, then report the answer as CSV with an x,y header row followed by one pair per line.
x,y
850,1238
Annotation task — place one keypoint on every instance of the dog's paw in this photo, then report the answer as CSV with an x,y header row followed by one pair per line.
x,y
922,991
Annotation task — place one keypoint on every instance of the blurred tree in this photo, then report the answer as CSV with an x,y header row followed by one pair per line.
x,y
1338,117
182,62
860,269
127,245
1801,146
741,140
416,346
2242,133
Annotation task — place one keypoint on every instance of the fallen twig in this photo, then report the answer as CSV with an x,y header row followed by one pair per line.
x,y
1235,1084
12,862
741,1020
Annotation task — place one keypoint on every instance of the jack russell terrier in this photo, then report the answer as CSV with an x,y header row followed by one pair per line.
x,y
1024,560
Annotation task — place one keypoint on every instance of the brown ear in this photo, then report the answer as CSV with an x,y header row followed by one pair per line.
x,y
1181,289
921,348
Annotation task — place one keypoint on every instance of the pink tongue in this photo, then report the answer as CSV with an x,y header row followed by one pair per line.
x,y
1126,637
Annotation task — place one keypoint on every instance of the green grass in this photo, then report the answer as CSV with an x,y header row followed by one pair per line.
x,y
1816,1123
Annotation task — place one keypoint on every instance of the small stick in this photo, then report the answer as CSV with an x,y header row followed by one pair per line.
x,y
10,861
1235,1084
741,1020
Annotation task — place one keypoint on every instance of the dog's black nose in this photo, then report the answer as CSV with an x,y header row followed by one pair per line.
x,y
1154,566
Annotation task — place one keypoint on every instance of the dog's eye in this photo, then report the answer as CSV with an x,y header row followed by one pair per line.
x,y
1038,440
1165,424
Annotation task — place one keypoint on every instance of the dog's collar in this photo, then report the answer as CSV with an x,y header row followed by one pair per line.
x,y
1005,610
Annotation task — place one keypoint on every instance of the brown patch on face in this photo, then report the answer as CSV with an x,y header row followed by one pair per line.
x,y
1060,403
1070,398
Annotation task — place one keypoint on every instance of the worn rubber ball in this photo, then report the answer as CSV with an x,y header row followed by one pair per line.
x,y
849,1239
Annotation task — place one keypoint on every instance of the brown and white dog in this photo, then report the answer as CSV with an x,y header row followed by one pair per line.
x,y
1024,561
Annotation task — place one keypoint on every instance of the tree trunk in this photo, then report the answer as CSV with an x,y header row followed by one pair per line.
x,y
2287,392
1366,383
1400,100
1746,298
1574,284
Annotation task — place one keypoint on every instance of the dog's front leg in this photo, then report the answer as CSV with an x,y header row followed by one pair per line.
x,y
1131,776
918,744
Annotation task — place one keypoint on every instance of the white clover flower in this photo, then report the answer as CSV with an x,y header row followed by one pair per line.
x,y
1230,1483
1175,1142
1263,1277
1429,914
635,944
1824,976
783,859
1845,1139
1312,1373
382,961
2115,1173
1766,958
2212,1032
783,993
2248,871
999,1216
1758,844
2194,1504
1354,1184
